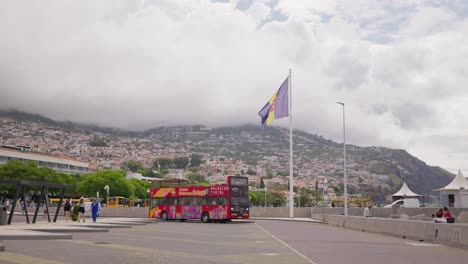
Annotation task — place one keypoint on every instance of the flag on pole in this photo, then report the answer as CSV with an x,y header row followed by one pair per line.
x,y
277,106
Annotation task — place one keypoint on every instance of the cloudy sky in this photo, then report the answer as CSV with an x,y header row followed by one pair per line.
x,y
400,66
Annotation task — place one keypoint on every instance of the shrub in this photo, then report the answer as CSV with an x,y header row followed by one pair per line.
x,y
74,213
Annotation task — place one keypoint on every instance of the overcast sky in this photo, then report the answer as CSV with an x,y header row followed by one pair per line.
x,y
400,66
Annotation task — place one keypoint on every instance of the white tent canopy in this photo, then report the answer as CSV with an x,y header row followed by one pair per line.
x,y
405,191
459,183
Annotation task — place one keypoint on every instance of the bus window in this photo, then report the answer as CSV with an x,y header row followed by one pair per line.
x,y
221,200
169,201
156,201
239,181
184,201
202,201
239,191
193,201
211,201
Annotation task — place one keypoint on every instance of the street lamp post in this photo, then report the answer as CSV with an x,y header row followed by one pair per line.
x,y
299,197
323,203
344,163
107,189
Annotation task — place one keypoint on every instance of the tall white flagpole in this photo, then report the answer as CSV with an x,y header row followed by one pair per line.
x,y
291,183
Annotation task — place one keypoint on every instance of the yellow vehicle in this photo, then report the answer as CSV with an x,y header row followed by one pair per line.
x,y
141,203
55,201
353,201
117,202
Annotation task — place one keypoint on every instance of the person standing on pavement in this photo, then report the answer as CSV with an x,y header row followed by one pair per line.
x,y
67,208
81,210
7,204
94,210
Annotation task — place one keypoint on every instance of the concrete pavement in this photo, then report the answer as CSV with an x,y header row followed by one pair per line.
x,y
260,242
46,230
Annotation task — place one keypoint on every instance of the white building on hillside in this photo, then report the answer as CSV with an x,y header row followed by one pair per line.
x,y
58,163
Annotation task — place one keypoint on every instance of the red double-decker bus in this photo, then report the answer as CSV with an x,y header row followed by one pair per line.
x,y
177,199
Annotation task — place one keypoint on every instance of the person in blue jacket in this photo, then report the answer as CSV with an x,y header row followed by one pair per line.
x,y
95,210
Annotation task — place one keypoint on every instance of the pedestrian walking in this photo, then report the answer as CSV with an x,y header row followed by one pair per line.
x,y
67,208
81,210
22,205
7,205
95,210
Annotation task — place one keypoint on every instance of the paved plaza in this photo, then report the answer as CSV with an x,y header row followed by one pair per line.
x,y
259,242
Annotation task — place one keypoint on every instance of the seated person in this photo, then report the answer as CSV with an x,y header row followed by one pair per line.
x,y
448,216
367,212
439,216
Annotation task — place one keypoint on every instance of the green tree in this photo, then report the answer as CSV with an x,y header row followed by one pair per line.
x,y
95,182
256,197
251,172
97,142
132,166
139,188
269,175
181,162
195,160
275,199
29,171
338,190
279,187
282,173
148,172
163,163
303,198
196,178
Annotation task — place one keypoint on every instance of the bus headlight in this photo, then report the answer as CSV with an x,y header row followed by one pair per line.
x,y
232,208
247,209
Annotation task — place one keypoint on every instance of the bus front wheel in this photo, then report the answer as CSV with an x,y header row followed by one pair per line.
x,y
164,216
205,217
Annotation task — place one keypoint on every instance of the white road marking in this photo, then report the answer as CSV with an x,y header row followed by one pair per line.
x,y
270,254
284,243
423,244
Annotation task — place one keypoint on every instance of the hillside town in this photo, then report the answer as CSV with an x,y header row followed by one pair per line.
x,y
223,154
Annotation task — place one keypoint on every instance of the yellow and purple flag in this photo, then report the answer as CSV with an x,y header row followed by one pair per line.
x,y
277,106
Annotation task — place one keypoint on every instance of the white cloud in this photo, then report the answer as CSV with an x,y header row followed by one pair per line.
x,y
400,66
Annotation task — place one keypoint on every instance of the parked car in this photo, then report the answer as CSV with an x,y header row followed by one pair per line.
x,y
405,203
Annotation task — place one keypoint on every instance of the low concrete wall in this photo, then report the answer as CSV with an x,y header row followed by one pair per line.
x,y
279,212
455,235
387,212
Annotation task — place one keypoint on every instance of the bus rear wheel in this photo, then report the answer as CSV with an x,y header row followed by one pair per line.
x,y
205,217
164,216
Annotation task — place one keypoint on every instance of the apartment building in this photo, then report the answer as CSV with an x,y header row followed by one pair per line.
x,y
58,163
